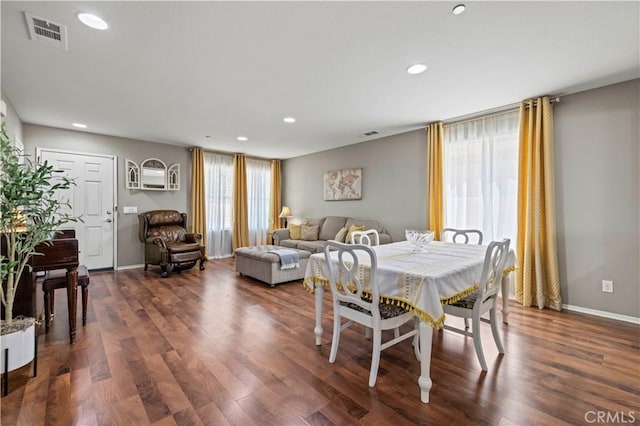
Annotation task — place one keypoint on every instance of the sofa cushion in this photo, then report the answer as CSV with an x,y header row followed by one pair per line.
x,y
368,224
340,235
309,232
310,221
312,246
353,228
295,231
331,226
290,243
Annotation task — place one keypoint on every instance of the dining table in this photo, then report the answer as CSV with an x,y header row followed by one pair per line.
x,y
419,280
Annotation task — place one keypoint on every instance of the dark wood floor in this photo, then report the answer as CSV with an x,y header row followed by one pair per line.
x,y
213,348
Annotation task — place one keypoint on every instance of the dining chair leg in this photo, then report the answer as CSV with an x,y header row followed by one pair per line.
x,y
477,344
375,356
368,333
335,341
495,331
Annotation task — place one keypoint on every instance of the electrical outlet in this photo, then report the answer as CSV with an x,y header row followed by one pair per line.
x,y
607,286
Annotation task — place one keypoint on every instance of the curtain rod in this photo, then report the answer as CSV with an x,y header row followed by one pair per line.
x,y
190,149
491,111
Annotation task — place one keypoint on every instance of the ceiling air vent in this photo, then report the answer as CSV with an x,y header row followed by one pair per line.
x,y
47,32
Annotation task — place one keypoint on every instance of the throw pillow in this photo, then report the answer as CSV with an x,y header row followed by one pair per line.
x,y
295,232
340,235
309,232
351,229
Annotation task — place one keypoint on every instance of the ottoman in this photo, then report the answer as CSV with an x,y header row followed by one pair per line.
x,y
258,263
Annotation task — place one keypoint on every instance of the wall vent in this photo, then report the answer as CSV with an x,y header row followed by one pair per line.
x,y
46,31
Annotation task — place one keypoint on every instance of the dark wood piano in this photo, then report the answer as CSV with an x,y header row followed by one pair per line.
x,y
61,253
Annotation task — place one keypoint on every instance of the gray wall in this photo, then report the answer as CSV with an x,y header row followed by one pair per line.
x,y
597,191
12,122
393,182
597,152
130,250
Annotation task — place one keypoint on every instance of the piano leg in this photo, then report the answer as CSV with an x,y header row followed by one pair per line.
x,y
72,287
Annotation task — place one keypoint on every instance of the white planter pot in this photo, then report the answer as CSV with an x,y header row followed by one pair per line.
x,y
21,345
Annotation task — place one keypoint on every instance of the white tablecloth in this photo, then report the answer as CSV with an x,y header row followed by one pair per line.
x,y
421,282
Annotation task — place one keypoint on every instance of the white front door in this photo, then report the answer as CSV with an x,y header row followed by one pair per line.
x,y
93,199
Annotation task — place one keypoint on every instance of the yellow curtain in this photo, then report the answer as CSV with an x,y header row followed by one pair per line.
x,y
240,232
198,213
435,214
537,278
276,197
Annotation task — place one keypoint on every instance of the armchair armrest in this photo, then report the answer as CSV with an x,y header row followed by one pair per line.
x,y
160,242
281,234
193,237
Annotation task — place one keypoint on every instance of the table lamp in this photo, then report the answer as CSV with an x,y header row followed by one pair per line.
x,y
285,214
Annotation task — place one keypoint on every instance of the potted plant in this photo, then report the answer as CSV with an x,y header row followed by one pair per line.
x,y
30,213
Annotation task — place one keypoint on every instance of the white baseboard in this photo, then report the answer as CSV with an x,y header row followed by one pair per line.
x,y
604,314
122,268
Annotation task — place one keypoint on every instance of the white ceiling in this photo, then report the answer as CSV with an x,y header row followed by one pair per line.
x,y
176,72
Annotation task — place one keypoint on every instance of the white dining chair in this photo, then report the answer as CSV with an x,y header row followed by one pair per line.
x,y
370,237
483,300
357,305
463,236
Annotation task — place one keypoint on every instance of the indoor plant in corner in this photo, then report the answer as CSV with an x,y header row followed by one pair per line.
x,y
30,213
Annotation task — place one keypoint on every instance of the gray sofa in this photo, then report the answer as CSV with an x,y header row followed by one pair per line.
x,y
328,227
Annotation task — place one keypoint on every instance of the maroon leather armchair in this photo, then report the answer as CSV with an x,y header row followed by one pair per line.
x,y
167,242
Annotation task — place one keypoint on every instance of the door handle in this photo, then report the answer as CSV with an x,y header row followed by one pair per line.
x,y
108,220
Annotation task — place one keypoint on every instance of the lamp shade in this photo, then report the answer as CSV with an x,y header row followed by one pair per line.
x,y
285,212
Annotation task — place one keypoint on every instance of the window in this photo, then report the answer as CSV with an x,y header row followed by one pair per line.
x,y
258,198
480,173
218,175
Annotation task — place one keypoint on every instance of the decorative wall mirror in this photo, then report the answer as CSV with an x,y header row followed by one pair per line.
x,y
152,174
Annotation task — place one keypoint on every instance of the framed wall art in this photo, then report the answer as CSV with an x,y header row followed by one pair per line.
x,y
343,185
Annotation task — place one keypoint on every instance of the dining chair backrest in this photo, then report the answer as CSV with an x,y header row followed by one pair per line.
x,y
492,269
347,275
350,267
474,306
369,237
463,236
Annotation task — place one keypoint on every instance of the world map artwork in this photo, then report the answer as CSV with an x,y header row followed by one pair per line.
x,y
343,185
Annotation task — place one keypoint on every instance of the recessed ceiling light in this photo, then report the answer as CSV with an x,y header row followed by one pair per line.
x,y
458,9
289,120
242,138
417,69
79,125
93,21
